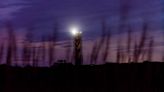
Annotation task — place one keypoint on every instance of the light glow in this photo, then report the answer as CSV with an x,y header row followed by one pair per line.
x,y
75,31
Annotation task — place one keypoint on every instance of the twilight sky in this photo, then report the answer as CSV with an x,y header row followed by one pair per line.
x,y
86,14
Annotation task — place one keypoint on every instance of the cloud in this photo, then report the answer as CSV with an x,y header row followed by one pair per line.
x,y
6,13
9,7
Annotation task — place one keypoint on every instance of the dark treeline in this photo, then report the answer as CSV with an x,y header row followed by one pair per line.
x,y
112,77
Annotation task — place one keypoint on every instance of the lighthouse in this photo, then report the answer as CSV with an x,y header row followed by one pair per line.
x,y
77,46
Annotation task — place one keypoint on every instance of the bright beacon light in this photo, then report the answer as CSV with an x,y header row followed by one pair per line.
x,y
75,31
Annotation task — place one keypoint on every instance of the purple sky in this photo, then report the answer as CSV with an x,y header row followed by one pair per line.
x,y
87,14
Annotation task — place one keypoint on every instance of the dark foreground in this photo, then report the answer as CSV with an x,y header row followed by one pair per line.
x,y
146,77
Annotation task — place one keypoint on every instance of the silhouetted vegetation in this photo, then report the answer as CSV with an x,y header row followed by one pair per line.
x,y
135,50
128,49
32,66
11,47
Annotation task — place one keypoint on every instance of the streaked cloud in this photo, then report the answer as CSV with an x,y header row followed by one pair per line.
x,y
9,7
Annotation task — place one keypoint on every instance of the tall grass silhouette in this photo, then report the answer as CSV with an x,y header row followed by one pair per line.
x,y
150,49
106,51
142,41
1,52
134,50
129,44
11,56
99,44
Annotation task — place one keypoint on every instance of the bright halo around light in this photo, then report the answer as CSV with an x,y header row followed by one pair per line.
x,y
75,31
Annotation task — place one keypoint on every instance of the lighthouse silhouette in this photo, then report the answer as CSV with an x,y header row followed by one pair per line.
x,y
78,57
